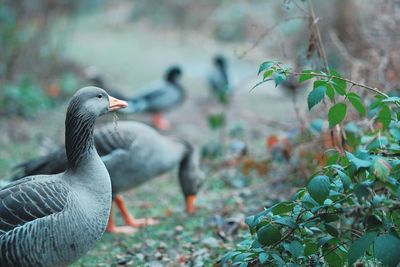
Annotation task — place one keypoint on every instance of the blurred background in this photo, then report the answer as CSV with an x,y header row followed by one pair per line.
x,y
50,48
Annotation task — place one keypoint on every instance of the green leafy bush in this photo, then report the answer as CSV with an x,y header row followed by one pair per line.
x,y
23,98
349,210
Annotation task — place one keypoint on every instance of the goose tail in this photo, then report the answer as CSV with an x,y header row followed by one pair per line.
x,y
53,163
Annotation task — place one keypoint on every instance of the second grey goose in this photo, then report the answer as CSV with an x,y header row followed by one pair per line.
x,y
133,155
159,97
53,220
218,79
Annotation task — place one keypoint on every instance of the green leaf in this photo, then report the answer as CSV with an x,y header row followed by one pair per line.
x,y
263,257
279,77
333,258
318,188
228,256
355,100
268,235
336,114
330,92
287,221
395,172
243,256
310,248
279,261
381,168
295,248
360,246
384,116
265,65
216,121
358,163
282,207
306,75
331,230
338,84
315,96
267,74
386,249
361,191
346,181
251,221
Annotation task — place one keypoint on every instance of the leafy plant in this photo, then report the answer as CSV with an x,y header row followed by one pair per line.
x,y
23,98
349,210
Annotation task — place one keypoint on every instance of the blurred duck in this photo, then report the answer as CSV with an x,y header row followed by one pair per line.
x,y
218,79
133,154
155,98
53,220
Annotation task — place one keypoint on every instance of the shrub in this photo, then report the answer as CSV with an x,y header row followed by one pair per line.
x,y
349,210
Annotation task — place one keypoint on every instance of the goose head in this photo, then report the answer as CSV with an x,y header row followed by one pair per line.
x,y
191,178
94,101
173,74
219,61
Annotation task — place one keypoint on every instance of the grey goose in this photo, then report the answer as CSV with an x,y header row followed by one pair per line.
x,y
159,97
218,79
53,220
133,155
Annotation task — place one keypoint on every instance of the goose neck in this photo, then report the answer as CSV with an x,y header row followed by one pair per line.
x,y
79,140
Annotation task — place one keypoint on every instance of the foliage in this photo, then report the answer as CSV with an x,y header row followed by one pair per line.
x,y
23,98
349,210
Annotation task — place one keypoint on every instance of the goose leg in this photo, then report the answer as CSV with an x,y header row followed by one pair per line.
x,y
160,122
129,219
112,228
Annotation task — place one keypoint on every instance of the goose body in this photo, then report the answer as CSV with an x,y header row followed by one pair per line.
x,y
53,220
134,154
159,96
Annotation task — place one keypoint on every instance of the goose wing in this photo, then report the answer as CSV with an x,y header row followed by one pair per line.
x,y
107,139
30,198
53,163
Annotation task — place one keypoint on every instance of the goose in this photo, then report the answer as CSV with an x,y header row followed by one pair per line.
x,y
155,98
53,220
159,97
135,154
218,79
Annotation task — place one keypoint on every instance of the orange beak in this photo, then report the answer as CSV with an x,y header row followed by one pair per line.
x,y
116,104
190,207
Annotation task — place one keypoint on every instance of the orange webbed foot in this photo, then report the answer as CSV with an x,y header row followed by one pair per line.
x,y
142,222
160,122
127,230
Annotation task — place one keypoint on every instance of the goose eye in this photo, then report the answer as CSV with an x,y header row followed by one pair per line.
x,y
99,96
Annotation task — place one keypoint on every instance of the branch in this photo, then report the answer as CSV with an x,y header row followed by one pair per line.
x,y
375,90
265,33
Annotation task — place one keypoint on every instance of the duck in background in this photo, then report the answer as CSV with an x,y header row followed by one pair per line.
x,y
53,220
218,80
134,154
155,98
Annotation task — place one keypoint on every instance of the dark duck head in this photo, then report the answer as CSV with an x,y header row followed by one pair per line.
x,y
173,74
220,61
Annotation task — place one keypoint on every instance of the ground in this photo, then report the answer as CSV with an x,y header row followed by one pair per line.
x,y
129,56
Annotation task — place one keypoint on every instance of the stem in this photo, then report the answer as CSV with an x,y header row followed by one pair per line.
x,y
353,83
320,43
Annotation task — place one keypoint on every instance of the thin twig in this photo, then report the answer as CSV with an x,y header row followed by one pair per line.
x,y
265,33
375,90
320,43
